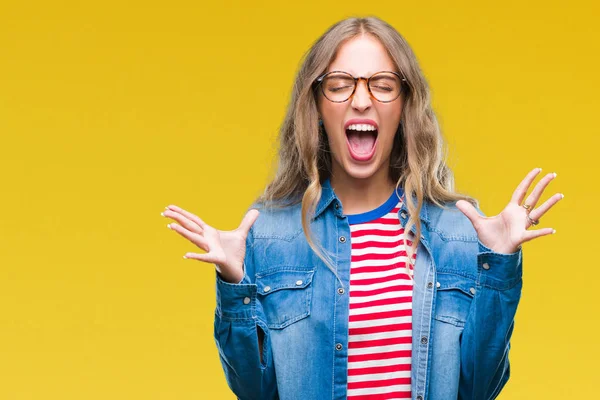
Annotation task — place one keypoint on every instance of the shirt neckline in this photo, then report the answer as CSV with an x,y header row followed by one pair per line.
x,y
376,213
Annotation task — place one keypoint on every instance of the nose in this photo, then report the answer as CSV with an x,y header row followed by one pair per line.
x,y
361,99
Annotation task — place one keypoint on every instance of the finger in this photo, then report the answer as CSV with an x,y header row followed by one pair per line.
x,y
248,220
469,211
521,190
193,237
529,235
207,257
536,193
183,221
188,215
541,210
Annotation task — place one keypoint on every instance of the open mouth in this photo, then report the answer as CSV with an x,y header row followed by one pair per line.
x,y
361,141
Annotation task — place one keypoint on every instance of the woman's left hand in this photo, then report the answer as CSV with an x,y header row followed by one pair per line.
x,y
505,232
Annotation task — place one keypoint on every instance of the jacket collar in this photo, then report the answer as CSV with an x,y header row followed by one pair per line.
x,y
327,196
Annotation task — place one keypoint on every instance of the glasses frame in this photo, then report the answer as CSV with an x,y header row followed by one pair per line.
x,y
320,79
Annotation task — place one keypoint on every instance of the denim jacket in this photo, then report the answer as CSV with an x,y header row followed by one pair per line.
x,y
465,297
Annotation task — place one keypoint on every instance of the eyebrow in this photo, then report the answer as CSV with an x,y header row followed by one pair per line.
x,y
348,72
369,73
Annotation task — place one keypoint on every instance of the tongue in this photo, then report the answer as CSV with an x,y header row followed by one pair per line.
x,y
361,141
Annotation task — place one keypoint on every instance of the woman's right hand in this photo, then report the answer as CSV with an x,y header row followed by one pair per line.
x,y
225,249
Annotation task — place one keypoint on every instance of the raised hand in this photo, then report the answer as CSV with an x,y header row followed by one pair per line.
x,y
224,249
505,232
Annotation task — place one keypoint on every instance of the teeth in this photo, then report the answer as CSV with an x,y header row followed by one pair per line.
x,y
361,127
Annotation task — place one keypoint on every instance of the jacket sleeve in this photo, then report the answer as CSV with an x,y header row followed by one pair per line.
x,y
485,342
238,317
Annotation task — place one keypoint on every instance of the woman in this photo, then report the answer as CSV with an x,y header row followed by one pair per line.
x,y
344,287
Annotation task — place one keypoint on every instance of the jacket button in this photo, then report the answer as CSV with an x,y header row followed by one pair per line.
x,y
341,290
472,290
419,397
424,340
246,300
342,239
486,266
403,214
298,282
338,346
267,288
430,285
437,284
336,206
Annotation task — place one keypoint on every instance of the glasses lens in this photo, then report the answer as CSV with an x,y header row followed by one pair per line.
x,y
385,86
338,86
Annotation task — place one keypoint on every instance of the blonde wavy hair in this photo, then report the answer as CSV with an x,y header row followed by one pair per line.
x,y
417,161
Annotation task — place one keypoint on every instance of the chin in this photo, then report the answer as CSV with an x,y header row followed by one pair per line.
x,y
361,172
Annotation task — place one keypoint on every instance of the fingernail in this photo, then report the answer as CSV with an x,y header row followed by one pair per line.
x,y
169,226
539,169
163,214
186,257
562,196
555,174
553,231
166,208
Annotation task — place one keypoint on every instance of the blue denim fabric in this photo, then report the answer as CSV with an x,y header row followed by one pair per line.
x,y
464,302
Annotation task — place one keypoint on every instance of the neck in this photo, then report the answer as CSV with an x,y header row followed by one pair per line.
x,y
361,195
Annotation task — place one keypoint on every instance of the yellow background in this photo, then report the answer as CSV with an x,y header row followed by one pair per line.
x,y
110,111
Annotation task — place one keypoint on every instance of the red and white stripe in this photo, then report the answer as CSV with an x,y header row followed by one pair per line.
x,y
380,324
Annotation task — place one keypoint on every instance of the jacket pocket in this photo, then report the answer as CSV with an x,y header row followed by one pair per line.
x,y
285,294
453,300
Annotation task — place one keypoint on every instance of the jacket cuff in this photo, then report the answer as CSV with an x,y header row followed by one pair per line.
x,y
499,270
236,300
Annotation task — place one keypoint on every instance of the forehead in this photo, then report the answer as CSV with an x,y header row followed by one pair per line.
x,y
362,56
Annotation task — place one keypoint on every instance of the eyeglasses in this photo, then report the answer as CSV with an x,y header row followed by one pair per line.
x,y
339,86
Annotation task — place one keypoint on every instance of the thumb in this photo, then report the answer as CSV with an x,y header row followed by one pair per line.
x,y
248,220
470,212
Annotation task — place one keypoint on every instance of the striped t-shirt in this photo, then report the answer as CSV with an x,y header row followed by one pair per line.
x,y
380,321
